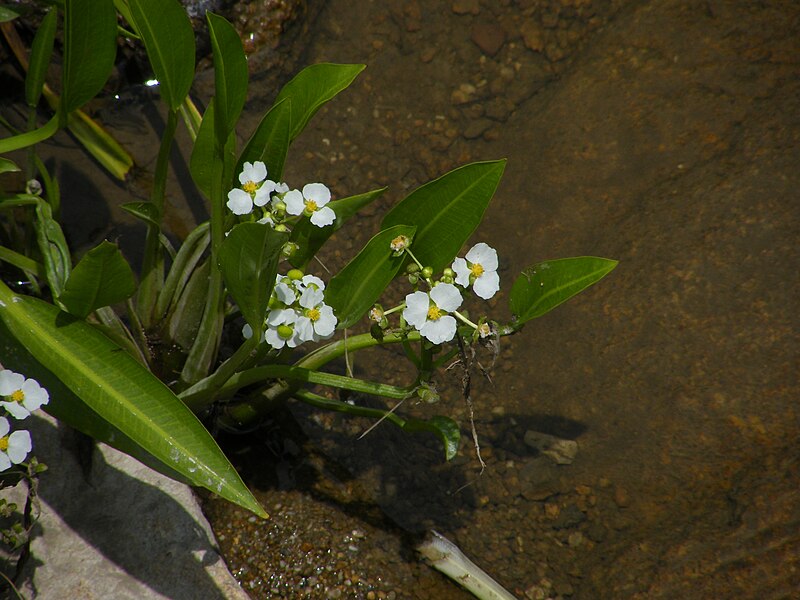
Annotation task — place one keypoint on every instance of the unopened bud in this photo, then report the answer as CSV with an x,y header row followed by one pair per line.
x,y
281,228
295,274
289,248
427,272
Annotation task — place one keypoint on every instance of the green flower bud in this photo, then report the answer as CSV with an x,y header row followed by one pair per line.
x,y
427,272
413,279
285,331
295,274
448,272
412,267
281,228
289,248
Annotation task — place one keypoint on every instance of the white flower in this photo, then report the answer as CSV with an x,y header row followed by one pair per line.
x,y
316,320
13,448
312,281
22,396
255,189
280,328
428,312
479,270
312,202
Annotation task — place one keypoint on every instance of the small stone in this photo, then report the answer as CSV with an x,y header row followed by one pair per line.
x,y
466,7
427,55
621,497
488,37
561,451
575,539
532,36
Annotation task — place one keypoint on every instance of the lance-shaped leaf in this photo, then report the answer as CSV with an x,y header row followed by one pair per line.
x,y
122,392
41,51
230,75
90,47
312,87
201,161
310,238
169,40
543,286
53,246
353,291
270,141
248,260
101,278
443,427
447,210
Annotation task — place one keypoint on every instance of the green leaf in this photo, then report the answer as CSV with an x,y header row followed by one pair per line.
x,y
146,211
90,47
202,159
7,14
123,393
447,210
101,278
169,40
310,238
543,286
65,406
314,86
248,260
29,138
8,166
54,249
353,291
443,427
270,141
187,258
41,51
230,75
183,321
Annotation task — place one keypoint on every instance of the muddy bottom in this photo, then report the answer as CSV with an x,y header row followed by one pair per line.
x,y
662,134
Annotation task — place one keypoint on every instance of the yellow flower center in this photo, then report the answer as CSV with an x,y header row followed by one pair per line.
x,y
311,206
313,314
18,396
435,313
250,187
4,443
476,270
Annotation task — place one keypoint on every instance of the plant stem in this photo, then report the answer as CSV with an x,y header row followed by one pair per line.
x,y
153,262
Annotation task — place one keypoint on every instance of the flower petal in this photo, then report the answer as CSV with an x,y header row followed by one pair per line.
x,y
263,192
487,284
311,297
5,426
462,272
416,311
255,172
326,324
323,216
16,410
439,331
446,296
35,395
273,339
294,202
313,281
10,382
19,444
484,255
239,202
317,192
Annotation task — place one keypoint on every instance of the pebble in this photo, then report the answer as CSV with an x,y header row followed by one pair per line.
x,y
532,36
466,7
488,37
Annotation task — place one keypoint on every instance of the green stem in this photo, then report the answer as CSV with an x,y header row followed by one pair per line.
x,y
153,262
464,319
199,395
246,413
21,262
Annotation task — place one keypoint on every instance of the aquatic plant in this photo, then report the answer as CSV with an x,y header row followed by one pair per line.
x,y
245,269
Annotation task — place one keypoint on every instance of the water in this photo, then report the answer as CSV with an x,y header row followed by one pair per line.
x,y
660,134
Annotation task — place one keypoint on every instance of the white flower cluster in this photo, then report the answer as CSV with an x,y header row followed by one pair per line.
x,y
430,312
297,312
20,397
276,199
